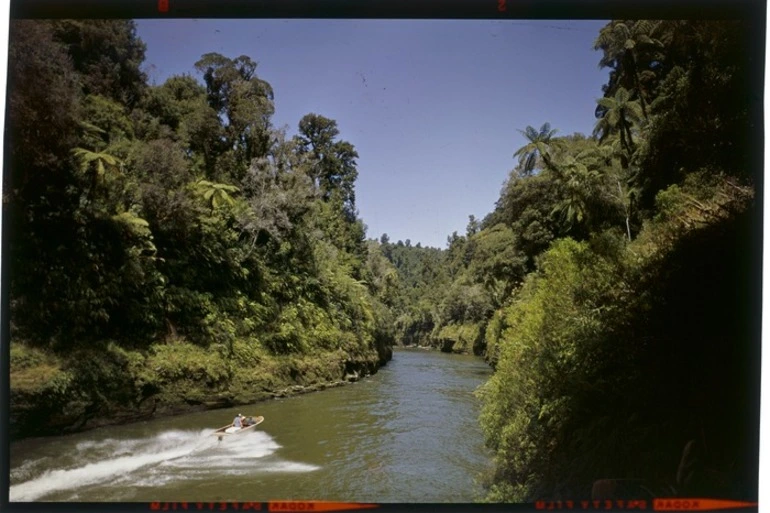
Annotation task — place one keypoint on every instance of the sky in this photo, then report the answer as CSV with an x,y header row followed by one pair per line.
x,y
433,108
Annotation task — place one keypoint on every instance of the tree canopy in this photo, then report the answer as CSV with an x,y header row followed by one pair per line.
x,y
612,287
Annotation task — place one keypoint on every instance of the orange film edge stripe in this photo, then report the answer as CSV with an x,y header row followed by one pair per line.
x,y
317,506
695,504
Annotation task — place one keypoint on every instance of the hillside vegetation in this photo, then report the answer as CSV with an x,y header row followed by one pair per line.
x,y
170,247
615,286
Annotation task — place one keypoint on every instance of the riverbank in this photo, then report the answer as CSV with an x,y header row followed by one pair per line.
x,y
464,339
54,395
372,441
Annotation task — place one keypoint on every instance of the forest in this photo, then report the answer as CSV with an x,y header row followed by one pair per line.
x,y
615,286
170,248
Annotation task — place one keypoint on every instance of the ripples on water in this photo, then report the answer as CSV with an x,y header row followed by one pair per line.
x,y
408,434
168,456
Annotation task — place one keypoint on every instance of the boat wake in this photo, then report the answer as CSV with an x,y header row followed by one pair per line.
x,y
168,456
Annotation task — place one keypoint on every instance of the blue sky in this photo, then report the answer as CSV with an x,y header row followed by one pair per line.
x,y
432,107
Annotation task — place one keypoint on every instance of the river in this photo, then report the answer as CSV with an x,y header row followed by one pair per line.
x,y
407,434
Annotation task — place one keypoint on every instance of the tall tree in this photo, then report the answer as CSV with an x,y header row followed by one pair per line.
x,y
632,49
621,115
578,179
332,164
245,103
538,146
107,54
43,102
43,113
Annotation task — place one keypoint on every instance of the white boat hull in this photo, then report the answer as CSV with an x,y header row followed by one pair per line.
x,y
231,430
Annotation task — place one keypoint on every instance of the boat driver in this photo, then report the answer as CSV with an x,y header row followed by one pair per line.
x,y
237,421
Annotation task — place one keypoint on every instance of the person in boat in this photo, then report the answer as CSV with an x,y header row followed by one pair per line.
x,y
249,421
238,422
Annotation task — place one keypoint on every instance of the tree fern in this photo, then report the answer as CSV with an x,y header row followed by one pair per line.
x,y
216,194
538,145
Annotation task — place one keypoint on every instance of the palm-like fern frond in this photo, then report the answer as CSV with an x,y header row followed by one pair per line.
x,y
621,114
627,46
538,146
216,194
139,228
102,161
96,164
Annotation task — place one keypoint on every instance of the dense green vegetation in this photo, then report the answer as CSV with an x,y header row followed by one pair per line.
x,y
446,297
167,242
614,287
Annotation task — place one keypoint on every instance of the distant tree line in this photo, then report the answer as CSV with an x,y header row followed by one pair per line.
x,y
614,287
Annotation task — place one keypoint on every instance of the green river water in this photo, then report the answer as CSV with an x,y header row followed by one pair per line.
x,y
407,434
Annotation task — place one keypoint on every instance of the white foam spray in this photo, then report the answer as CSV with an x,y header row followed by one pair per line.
x,y
124,462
